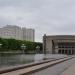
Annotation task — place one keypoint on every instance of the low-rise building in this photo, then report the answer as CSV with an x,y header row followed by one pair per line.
x,y
59,44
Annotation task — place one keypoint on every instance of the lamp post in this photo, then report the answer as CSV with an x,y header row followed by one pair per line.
x,y
0,45
37,49
23,47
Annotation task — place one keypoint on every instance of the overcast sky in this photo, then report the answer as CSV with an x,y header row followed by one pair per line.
x,y
45,16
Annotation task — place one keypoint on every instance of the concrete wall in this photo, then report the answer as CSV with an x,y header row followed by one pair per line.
x,y
48,45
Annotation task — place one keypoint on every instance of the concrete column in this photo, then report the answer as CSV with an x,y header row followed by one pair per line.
x,y
56,51
67,51
49,45
71,51
44,43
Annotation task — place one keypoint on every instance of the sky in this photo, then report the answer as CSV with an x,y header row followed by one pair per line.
x,y
50,17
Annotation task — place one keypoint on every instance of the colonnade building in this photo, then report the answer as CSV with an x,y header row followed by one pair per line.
x,y
59,44
16,32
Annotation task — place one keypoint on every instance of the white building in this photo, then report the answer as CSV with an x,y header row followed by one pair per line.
x,y
28,34
17,33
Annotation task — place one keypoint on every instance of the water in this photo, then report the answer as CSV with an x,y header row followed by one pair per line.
x,y
7,60
39,57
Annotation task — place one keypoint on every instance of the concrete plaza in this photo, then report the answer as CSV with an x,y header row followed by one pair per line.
x,y
59,69
69,71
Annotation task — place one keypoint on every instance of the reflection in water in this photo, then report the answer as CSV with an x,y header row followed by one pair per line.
x,y
15,59
39,57
18,59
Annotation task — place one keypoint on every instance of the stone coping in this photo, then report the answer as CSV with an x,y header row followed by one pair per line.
x,y
36,68
13,68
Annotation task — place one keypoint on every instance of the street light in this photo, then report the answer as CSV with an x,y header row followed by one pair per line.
x,y
0,45
23,47
37,49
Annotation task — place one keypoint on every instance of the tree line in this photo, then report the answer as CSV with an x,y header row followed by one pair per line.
x,y
15,45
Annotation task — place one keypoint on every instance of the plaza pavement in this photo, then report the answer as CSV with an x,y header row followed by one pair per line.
x,y
69,71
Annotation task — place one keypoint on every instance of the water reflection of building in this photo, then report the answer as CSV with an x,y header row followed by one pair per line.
x,y
59,44
18,33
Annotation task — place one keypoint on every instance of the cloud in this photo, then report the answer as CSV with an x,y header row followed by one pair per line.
x,y
45,16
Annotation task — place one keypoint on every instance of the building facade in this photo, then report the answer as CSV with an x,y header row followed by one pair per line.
x,y
59,44
18,33
28,34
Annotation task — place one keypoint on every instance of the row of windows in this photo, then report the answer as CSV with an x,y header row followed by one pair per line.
x,y
66,44
66,47
66,50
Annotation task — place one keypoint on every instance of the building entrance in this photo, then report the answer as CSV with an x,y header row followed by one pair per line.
x,y
66,52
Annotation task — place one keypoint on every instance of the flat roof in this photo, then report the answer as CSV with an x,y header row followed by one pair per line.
x,y
61,36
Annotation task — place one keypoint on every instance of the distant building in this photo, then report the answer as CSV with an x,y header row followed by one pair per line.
x,y
18,33
28,34
59,44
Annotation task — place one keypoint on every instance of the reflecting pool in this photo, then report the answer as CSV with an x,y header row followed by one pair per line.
x,y
15,59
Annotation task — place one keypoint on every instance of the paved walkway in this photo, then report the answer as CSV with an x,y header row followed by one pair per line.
x,y
69,71
57,69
